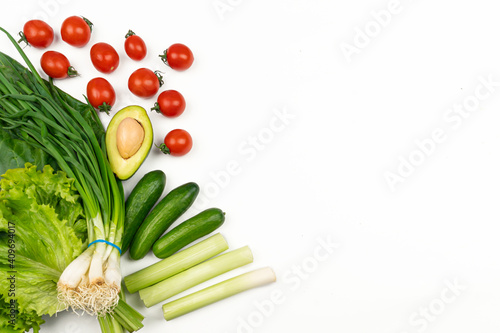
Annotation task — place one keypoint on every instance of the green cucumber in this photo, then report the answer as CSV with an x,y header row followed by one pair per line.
x,y
188,231
169,209
140,201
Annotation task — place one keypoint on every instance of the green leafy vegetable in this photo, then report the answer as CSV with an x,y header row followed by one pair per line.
x,y
16,151
42,227
37,112
24,320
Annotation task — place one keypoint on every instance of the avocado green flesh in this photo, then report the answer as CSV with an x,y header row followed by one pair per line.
x,y
124,168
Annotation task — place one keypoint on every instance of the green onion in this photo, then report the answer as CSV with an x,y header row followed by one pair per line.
x,y
37,112
109,325
195,275
123,317
218,292
176,263
128,317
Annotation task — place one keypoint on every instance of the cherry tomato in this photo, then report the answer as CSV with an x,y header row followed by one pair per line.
x,y
37,33
178,57
76,31
171,103
144,82
177,143
104,57
101,94
56,65
135,46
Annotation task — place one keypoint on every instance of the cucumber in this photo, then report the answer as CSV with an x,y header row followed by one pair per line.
x,y
140,201
169,209
188,231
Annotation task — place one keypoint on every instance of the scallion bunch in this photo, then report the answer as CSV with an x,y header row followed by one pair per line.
x,y
34,110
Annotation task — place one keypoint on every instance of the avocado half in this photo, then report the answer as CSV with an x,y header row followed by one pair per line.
x,y
129,138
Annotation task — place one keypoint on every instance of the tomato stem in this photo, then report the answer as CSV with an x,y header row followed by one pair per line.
x,y
90,24
160,77
163,148
104,107
156,107
23,38
164,57
72,71
129,33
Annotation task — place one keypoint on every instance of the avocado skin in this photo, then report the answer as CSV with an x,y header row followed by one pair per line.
x,y
126,168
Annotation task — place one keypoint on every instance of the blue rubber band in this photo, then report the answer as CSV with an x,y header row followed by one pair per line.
x,y
109,243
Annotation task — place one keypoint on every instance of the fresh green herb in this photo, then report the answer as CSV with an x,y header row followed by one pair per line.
x,y
36,112
15,151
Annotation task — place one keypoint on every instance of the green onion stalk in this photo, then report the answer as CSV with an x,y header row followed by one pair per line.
x,y
123,318
37,112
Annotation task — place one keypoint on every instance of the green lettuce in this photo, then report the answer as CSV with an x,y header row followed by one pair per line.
x,y
42,226
24,320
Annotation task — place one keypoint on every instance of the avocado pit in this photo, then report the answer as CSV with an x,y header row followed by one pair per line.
x,y
129,137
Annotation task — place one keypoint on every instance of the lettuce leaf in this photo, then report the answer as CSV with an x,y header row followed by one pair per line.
x,y
24,320
42,220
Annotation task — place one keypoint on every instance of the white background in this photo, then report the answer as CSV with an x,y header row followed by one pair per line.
x,y
321,176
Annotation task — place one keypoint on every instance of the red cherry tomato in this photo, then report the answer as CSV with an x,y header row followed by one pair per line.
x,y
37,33
171,103
76,31
56,65
135,46
177,143
144,82
104,57
178,57
101,94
